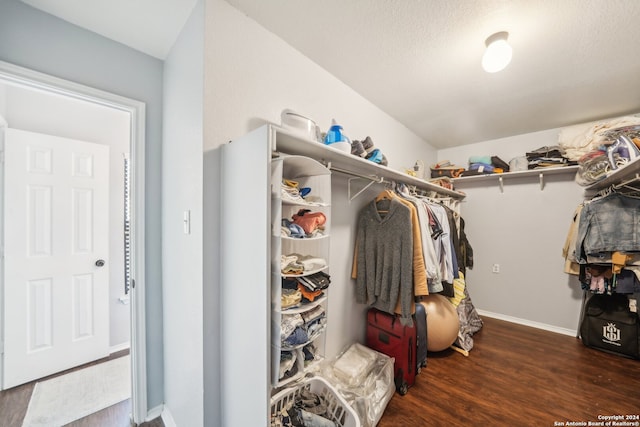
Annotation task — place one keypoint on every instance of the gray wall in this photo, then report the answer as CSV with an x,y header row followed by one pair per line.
x,y
523,230
182,253
41,42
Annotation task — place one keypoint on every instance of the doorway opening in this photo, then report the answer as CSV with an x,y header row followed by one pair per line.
x,y
128,259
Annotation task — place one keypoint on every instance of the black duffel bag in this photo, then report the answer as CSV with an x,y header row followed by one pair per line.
x,y
609,325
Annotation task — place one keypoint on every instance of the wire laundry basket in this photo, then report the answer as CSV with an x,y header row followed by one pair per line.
x,y
338,410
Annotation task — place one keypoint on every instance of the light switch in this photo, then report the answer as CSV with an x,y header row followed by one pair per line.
x,y
186,222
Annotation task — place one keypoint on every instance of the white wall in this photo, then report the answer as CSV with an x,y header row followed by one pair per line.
x,y
3,102
523,230
253,75
250,77
51,114
182,253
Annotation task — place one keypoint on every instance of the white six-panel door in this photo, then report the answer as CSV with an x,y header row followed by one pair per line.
x,y
56,297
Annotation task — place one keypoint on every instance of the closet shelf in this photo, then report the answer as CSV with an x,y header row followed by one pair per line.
x,y
499,177
283,382
305,307
629,172
305,204
306,273
286,141
305,239
317,334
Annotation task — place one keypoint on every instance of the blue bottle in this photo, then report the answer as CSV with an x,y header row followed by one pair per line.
x,y
334,134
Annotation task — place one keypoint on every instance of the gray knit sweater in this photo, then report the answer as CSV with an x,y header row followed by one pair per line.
x,y
384,257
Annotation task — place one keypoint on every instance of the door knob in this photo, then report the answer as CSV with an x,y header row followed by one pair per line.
x,y
100,263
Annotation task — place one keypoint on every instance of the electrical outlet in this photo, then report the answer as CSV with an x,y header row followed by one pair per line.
x,y
496,268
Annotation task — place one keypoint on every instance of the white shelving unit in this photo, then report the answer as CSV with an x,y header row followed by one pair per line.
x,y
307,173
499,178
626,174
289,142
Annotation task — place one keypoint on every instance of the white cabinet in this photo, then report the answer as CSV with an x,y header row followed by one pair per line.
x,y
251,246
245,277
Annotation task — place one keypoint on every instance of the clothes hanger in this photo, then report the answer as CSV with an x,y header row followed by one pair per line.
x,y
603,193
386,194
628,188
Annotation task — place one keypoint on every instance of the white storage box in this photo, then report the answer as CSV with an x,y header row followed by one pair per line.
x,y
364,379
338,410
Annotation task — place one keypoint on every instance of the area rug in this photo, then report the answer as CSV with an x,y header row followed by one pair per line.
x,y
72,396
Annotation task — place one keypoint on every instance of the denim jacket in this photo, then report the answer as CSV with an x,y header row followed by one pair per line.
x,y
608,224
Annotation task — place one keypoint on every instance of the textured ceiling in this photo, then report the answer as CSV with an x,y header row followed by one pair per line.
x,y
419,60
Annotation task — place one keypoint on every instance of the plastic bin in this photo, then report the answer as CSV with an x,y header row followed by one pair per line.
x,y
338,410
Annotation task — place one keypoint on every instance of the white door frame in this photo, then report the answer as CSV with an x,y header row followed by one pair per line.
x,y
23,76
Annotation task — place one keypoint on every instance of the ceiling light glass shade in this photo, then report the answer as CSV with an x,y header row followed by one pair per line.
x,y
498,53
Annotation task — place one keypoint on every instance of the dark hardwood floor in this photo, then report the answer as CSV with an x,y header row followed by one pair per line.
x,y
14,403
514,376
519,376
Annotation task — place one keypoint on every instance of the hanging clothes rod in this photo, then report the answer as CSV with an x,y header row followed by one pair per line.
x,y
623,187
372,178
376,179
634,180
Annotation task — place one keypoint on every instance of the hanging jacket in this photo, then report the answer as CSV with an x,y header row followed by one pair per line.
x,y
609,224
466,251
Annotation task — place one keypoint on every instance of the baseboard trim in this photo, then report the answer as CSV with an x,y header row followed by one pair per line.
x,y
120,347
154,413
167,418
525,322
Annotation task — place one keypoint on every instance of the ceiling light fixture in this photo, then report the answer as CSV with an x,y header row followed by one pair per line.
x,y
498,53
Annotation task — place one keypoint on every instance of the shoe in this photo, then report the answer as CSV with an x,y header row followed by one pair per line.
x,y
291,194
357,149
309,352
287,362
622,151
367,143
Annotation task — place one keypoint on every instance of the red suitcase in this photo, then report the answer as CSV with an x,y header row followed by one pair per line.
x,y
387,335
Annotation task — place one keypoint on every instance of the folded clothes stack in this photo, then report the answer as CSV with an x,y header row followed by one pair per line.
x,y
547,156
315,282
620,147
485,165
297,329
296,264
292,229
290,298
290,191
310,288
446,169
